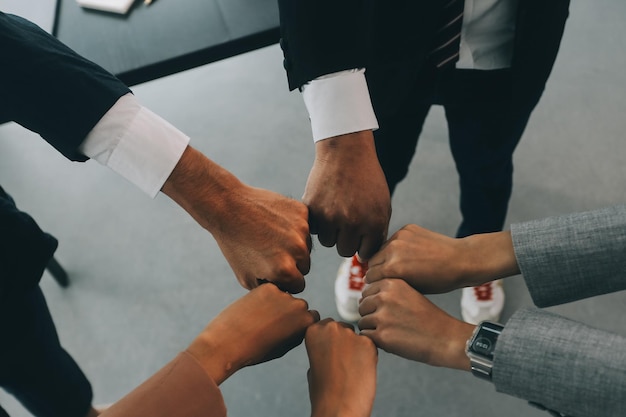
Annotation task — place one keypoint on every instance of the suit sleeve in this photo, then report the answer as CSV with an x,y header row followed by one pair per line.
x,y
572,257
561,365
180,389
49,89
320,37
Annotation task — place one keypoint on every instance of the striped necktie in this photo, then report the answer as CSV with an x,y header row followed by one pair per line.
x,y
445,51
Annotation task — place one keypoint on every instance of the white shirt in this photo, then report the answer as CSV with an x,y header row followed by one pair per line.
x,y
136,143
339,103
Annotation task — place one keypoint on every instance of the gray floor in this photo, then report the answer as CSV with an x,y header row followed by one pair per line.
x,y
146,279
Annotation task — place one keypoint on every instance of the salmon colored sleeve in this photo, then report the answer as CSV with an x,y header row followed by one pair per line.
x,y
180,389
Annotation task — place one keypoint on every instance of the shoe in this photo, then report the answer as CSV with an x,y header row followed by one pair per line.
x,y
484,302
348,287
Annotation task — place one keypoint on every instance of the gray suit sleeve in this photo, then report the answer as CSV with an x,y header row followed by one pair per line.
x,y
571,257
561,364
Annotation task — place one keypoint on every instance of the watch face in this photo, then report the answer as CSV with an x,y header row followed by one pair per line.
x,y
485,342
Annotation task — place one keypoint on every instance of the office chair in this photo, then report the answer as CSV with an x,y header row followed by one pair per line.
x,y
58,273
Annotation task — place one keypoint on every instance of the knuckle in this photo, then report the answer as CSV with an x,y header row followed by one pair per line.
x,y
301,304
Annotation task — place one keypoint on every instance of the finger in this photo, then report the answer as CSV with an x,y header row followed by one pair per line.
x,y
348,242
293,284
373,336
309,242
325,321
249,283
370,244
360,258
373,274
313,330
366,325
318,325
316,315
370,289
367,306
313,223
304,264
346,325
327,235
378,258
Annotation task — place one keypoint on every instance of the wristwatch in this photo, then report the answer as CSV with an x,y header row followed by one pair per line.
x,y
480,348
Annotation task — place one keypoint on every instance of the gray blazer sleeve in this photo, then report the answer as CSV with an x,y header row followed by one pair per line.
x,y
571,257
549,360
561,364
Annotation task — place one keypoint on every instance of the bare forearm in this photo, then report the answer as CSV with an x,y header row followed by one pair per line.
x,y
197,183
490,256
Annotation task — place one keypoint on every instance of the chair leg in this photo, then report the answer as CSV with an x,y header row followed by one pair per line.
x,y
58,273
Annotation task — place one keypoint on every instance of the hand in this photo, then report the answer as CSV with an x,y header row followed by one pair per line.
x,y
434,263
262,325
263,235
347,195
402,321
342,374
266,237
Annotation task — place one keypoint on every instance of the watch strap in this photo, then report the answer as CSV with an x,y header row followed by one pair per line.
x,y
481,363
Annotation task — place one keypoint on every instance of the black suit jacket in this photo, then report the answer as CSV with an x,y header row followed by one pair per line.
x,y
391,39
49,89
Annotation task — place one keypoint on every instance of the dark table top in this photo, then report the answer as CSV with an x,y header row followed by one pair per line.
x,y
167,36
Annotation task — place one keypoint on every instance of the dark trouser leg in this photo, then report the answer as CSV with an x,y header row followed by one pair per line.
x,y
33,365
483,137
396,141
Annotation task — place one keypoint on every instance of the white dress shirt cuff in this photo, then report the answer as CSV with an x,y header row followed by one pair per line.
x,y
137,144
339,103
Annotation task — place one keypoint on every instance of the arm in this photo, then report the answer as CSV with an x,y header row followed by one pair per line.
x,y
49,89
262,234
567,258
346,191
433,263
83,111
562,258
561,364
541,357
262,325
180,389
342,373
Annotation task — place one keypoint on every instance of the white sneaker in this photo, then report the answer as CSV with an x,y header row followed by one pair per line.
x,y
348,287
484,302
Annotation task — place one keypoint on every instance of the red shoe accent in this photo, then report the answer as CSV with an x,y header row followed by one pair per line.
x,y
357,273
483,292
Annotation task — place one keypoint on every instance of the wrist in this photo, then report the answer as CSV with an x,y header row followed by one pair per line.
x,y
456,357
489,256
200,187
339,406
356,145
214,358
